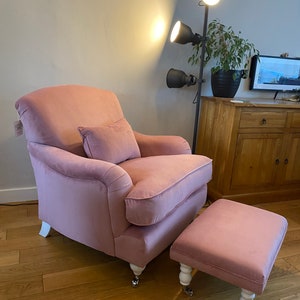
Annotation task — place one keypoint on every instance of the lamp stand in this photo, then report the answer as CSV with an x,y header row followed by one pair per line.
x,y
200,80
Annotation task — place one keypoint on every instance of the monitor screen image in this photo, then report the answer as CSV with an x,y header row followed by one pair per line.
x,y
274,73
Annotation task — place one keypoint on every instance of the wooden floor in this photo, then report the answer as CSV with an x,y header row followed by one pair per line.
x,y
32,267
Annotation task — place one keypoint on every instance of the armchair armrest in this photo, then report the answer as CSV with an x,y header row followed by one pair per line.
x,y
161,144
74,166
95,188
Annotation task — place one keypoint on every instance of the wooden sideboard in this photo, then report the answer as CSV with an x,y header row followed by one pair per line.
x,y
255,147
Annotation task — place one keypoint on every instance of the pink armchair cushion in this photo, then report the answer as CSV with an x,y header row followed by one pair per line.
x,y
114,142
162,183
52,115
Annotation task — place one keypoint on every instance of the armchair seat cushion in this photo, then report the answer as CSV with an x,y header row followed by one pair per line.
x,y
162,183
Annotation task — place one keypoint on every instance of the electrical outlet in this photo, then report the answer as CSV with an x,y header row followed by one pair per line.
x,y
18,128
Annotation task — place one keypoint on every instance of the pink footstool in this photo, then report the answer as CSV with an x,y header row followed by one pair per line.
x,y
234,242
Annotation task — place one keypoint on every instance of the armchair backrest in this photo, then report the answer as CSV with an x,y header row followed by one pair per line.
x,y
52,115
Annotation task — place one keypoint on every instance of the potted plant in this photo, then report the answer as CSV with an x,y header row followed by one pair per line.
x,y
231,53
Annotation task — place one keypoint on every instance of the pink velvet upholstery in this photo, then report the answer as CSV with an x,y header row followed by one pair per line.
x,y
157,193
95,201
235,242
114,142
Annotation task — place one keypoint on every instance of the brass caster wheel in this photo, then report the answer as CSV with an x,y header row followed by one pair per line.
x,y
135,281
188,290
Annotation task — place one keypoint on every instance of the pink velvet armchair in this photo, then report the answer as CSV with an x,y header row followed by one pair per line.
x,y
100,183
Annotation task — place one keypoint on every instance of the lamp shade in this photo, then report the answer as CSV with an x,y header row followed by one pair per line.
x,y
178,79
182,34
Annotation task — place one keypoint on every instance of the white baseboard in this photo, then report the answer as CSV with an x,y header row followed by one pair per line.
x,y
18,194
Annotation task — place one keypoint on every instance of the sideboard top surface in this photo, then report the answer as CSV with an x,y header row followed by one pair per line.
x,y
256,102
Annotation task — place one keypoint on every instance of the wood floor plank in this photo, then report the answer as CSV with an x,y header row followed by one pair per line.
x,y
292,235
2,234
283,267
294,261
23,243
22,232
9,258
20,287
280,205
57,268
74,277
19,222
32,210
281,288
289,249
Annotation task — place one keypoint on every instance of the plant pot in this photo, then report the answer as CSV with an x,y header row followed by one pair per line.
x,y
226,83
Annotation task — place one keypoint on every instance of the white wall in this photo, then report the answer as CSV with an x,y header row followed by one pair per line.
x,y
110,44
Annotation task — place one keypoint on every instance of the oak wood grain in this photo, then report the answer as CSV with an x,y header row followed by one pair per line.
x,y
37,268
255,148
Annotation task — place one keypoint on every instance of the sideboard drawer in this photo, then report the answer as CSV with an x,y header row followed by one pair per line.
x,y
262,119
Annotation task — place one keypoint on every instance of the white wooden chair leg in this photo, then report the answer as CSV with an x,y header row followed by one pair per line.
x,y
137,271
45,229
185,278
247,295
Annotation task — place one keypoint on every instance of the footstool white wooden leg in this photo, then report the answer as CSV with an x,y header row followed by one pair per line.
x,y
247,295
185,277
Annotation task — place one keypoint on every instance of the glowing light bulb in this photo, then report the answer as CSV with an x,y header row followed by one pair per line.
x,y
211,2
175,31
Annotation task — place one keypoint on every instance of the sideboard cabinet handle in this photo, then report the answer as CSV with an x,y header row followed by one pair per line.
x,y
263,121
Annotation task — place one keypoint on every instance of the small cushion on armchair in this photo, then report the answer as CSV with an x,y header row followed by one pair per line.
x,y
113,142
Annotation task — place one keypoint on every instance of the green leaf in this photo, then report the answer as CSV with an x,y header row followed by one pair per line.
x,y
230,50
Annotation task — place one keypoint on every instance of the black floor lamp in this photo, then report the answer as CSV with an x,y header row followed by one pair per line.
x,y
183,34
